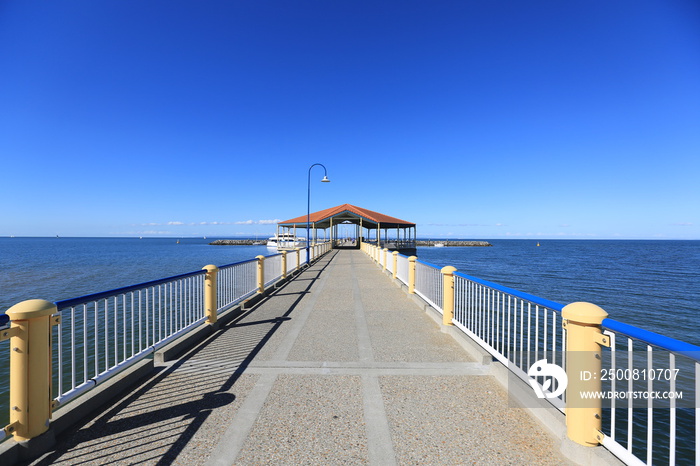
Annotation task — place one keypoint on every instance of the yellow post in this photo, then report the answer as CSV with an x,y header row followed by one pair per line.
x,y
412,274
284,264
384,251
584,341
30,367
210,304
298,250
261,273
396,260
448,294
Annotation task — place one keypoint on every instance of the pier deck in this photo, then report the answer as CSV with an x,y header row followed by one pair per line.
x,y
337,366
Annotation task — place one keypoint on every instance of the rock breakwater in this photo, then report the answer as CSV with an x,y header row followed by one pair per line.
x,y
237,242
437,243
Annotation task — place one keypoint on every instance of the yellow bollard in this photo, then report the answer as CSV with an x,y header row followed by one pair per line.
x,y
261,273
384,251
30,371
298,250
210,301
284,264
396,261
448,294
584,341
412,275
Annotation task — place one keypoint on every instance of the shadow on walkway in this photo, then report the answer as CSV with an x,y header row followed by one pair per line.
x,y
147,425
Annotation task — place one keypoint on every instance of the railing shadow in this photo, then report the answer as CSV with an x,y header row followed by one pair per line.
x,y
148,423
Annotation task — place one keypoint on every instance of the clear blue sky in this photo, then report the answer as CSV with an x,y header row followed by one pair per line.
x,y
474,119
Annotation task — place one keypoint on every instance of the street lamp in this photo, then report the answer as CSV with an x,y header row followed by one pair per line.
x,y
308,205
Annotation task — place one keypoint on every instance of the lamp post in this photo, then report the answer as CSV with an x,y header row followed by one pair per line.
x,y
308,205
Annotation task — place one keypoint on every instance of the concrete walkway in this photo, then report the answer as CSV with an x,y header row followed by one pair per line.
x,y
338,366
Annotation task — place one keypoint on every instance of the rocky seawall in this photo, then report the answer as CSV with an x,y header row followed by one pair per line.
x,y
435,243
237,242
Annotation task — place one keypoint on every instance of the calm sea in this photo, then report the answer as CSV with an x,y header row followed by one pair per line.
x,y
650,284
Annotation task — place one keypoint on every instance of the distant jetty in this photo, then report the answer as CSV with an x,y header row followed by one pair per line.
x,y
237,242
453,243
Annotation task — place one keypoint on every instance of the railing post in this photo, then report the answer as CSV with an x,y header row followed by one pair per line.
x,y
448,294
210,301
412,275
384,251
30,367
261,273
284,264
298,250
396,260
584,341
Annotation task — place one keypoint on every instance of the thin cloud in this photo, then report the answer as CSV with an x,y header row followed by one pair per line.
x,y
240,222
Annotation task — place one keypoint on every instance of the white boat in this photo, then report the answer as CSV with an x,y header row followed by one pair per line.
x,y
286,241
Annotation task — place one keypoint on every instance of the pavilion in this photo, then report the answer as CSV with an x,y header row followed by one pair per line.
x,y
347,225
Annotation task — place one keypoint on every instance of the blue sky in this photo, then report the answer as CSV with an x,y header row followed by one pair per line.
x,y
474,119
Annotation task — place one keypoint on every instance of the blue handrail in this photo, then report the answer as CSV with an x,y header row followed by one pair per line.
x,y
667,343
237,263
429,264
519,294
106,294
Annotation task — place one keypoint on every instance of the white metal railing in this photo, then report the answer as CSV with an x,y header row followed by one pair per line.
x,y
272,269
429,284
291,261
103,333
516,328
663,430
236,282
402,268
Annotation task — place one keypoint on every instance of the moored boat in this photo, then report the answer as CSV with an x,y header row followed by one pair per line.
x,y
286,241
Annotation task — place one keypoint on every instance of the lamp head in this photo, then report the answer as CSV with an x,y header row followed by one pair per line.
x,y
325,179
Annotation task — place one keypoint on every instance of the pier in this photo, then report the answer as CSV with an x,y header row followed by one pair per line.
x,y
354,356
336,366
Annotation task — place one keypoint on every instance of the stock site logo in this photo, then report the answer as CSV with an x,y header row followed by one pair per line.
x,y
552,374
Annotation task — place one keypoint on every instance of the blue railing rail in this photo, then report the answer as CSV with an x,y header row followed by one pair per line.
x,y
237,263
518,294
670,344
72,302
418,261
